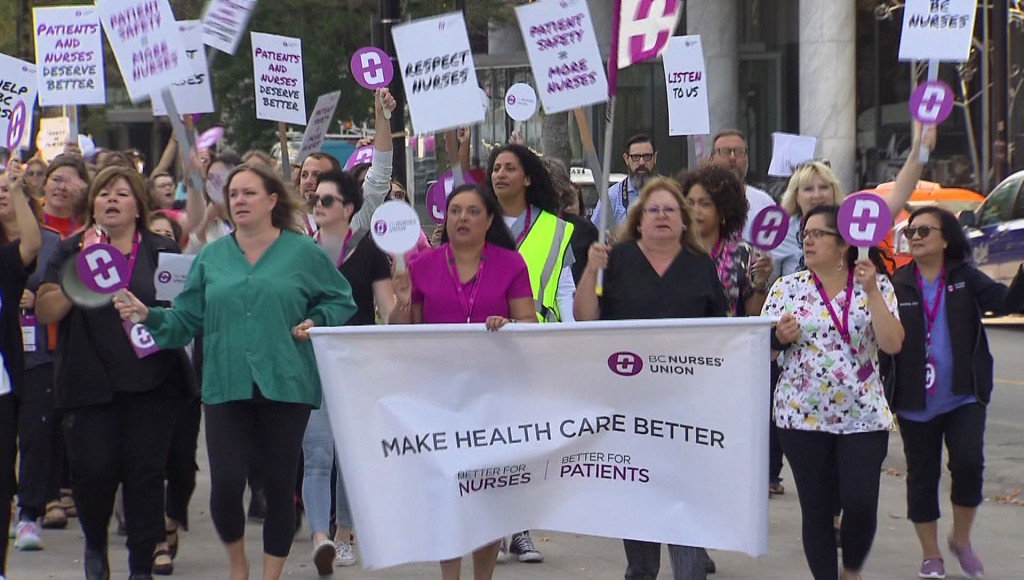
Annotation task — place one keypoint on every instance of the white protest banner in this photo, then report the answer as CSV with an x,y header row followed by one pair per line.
x,y
663,424
277,66
224,22
789,151
687,86
69,56
564,56
937,30
17,85
438,72
645,27
319,124
171,274
193,95
53,136
147,44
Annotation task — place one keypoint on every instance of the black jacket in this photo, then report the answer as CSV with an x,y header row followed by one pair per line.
x,y
969,294
13,275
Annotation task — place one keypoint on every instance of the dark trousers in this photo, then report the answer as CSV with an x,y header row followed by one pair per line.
x,y
235,433
963,429
123,442
181,462
643,561
39,442
8,482
826,466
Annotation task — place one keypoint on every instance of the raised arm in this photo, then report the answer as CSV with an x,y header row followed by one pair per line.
x,y
908,176
30,239
378,177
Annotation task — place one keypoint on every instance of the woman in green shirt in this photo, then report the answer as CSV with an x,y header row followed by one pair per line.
x,y
253,296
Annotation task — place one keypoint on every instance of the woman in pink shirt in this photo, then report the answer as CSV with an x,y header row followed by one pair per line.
x,y
475,275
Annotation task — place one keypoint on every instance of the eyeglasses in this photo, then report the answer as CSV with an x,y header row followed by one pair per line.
x,y
59,181
645,156
326,200
727,151
911,231
668,211
814,235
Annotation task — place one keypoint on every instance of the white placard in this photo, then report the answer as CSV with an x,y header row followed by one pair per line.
x,y
789,151
277,66
319,124
520,101
17,84
69,56
937,30
53,136
192,95
564,55
224,22
535,441
171,274
438,72
687,86
395,227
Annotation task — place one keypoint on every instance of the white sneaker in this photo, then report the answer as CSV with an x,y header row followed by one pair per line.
x,y
323,558
503,552
522,546
344,555
26,538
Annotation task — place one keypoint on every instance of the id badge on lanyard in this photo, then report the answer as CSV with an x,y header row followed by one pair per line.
x,y
930,314
28,332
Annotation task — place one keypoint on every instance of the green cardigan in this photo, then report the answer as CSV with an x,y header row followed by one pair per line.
x,y
245,314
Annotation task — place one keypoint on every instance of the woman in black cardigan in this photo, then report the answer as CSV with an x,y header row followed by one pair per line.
x,y
944,379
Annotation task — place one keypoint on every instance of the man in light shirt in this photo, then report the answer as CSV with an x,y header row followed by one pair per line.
x,y
640,158
729,149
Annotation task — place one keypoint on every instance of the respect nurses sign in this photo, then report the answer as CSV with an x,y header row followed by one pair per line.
x,y
687,85
277,67
564,56
69,56
17,100
937,30
192,95
438,72
147,44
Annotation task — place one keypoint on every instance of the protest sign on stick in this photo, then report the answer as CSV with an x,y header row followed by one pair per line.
x,y
18,86
69,56
193,95
319,124
277,66
224,22
687,86
53,136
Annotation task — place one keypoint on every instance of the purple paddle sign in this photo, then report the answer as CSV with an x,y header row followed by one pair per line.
x,y
102,268
16,128
372,68
769,228
931,102
437,195
209,138
361,155
864,220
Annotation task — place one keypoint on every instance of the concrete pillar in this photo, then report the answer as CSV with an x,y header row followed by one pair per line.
x,y
828,83
717,22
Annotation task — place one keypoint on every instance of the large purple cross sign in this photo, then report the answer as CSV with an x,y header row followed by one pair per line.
x,y
102,268
769,228
864,221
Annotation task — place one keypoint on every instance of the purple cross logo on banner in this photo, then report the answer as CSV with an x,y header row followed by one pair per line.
x,y
626,364
645,27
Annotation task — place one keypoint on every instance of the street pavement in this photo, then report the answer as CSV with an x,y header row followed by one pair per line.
x,y
999,531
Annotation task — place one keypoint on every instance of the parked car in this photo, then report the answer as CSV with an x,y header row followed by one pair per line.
x,y
996,230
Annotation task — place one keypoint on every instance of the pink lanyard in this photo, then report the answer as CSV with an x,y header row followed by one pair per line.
x,y
344,245
467,304
931,313
842,326
526,226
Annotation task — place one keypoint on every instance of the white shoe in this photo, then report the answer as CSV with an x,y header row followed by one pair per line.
x,y
503,551
26,538
344,555
323,558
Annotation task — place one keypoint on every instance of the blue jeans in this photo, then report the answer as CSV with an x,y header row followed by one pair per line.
x,y
318,456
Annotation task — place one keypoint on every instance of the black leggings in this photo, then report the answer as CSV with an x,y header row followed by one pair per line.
x,y
8,449
826,466
235,432
181,462
964,431
41,450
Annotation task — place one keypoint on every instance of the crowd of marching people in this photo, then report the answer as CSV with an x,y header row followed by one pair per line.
x,y
93,430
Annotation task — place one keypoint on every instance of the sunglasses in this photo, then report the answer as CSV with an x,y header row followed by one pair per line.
x,y
911,232
326,200
810,162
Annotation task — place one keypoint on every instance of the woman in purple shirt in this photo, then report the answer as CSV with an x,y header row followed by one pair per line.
x,y
475,275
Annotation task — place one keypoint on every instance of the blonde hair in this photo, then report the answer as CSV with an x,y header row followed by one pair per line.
x,y
105,178
688,238
803,176
285,214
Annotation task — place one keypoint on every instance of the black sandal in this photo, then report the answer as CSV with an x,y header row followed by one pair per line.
x,y
172,542
163,563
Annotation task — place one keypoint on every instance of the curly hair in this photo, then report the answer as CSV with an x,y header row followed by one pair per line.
x,y
727,192
540,192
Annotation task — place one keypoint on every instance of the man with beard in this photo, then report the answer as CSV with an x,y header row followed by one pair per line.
x,y
308,175
640,158
729,150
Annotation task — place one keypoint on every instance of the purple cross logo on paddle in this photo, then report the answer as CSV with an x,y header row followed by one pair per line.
x,y
102,268
380,227
931,102
864,220
361,155
769,228
626,364
511,99
372,68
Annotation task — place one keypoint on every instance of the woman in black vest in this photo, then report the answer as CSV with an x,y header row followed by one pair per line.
x,y
944,379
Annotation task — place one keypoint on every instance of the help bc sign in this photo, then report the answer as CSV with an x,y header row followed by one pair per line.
x,y
69,56
277,66
17,100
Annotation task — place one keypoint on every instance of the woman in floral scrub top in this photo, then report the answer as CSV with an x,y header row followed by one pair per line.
x,y
830,406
